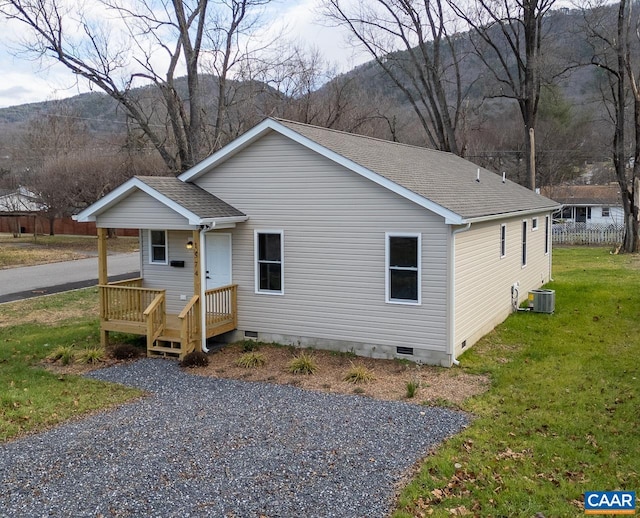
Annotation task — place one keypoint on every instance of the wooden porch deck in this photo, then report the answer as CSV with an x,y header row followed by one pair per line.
x,y
127,307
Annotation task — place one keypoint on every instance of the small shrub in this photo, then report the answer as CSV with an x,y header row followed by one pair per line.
x,y
412,388
92,356
303,363
251,360
195,359
358,374
249,346
65,354
125,352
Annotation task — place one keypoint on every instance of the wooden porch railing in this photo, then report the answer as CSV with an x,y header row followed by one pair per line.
x,y
189,319
125,302
135,282
155,315
221,304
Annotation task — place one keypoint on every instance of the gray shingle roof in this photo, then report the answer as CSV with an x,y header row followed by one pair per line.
x,y
443,178
191,197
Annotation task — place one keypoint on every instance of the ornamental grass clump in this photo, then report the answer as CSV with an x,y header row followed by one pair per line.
x,y
65,354
303,363
412,387
251,360
92,356
358,374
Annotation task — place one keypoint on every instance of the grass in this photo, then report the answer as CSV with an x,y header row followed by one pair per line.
x,y
358,374
561,415
303,363
251,360
32,398
412,388
28,250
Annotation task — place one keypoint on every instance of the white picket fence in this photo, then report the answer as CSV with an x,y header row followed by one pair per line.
x,y
587,234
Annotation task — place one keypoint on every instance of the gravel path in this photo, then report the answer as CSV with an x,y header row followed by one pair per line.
x,y
220,448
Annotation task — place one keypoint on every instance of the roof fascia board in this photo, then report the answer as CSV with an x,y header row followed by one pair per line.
x,y
450,216
515,214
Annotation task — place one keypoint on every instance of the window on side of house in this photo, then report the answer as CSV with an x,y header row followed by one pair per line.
x,y
534,224
503,240
547,224
403,272
158,247
524,243
269,253
606,212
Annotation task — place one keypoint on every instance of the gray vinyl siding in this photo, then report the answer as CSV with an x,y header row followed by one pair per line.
x,y
177,281
139,210
334,223
484,279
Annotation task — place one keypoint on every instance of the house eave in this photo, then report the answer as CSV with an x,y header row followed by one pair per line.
x,y
514,214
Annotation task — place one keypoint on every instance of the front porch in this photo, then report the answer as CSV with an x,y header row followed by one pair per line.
x,y
127,307
132,306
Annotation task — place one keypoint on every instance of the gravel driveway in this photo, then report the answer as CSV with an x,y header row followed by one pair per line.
x,y
220,448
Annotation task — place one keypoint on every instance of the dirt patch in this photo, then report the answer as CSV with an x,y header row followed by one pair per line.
x,y
435,384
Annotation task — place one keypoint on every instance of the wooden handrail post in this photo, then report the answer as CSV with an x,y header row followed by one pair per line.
x,y
102,256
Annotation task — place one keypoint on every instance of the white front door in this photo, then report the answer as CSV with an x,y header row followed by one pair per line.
x,y
218,260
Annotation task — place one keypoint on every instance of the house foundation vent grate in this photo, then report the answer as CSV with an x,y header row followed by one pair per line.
x,y
404,350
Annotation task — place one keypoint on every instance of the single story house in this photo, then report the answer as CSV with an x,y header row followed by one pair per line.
x,y
314,237
589,204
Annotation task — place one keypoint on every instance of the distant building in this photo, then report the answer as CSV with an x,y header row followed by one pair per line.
x,y
20,201
589,204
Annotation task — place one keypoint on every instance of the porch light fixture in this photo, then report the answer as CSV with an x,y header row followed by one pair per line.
x,y
189,245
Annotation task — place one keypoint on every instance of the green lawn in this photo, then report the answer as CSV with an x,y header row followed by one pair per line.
x,y
562,416
32,398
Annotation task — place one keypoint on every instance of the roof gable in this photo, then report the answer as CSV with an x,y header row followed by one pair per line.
x,y
446,184
196,205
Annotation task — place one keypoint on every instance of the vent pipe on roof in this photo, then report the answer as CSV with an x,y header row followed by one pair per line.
x,y
504,177
478,176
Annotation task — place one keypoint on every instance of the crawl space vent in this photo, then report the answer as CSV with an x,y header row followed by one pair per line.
x,y
404,350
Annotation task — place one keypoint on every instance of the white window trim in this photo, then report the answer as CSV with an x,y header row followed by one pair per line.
x,y
256,265
387,279
524,244
534,224
166,248
547,235
503,229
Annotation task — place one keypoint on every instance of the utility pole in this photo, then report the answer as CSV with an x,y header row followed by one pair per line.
x,y
532,159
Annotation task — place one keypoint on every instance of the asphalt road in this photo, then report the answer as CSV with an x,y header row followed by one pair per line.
x,y
32,281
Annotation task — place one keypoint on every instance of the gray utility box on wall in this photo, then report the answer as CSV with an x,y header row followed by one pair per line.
x,y
542,301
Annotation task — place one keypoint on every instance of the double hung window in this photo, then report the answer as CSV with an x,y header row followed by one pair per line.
x,y
269,248
403,268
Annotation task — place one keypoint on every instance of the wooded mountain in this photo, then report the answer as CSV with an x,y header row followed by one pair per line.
x,y
573,126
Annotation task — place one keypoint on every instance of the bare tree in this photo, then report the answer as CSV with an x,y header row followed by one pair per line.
x,y
118,45
412,44
507,36
609,34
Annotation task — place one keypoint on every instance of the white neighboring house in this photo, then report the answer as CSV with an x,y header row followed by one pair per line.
x,y
593,205
20,201
314,237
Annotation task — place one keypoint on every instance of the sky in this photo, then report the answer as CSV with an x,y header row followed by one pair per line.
x,y
24,80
